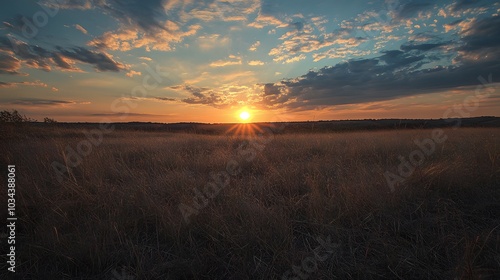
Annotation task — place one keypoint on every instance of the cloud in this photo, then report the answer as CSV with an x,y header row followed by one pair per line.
x,y
32,56
262,21
341,52
161,39
64,63
295,58
144,15
203,96
422,47
255,63
81,29
223,97
414,69
304,37
41,102
254,46
482,39
133,73
142,24
423,37
465,8
100,61
408,10
164,98
125,114
272,89
233,60
40,58
269,15
393,74
154,98
220,10
158,24
36,83
452,25
464,4
68,4
209,42
9,64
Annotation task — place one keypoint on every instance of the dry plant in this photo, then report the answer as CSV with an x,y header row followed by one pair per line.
x,y
118,210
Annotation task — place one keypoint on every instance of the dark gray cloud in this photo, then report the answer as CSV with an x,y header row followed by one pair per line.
x,y
123,114
454,23
16,23
272,89
483,36
143,14
196,92
153,98
9,64
99,60
203,96
70,4
24,83
270,7
40,58
164,98
410,8
422,47
297,25
464,4
40,102
61,62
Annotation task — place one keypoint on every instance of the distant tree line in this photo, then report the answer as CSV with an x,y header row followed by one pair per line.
x,y
15,117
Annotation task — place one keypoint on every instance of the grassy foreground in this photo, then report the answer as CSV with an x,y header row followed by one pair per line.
x,y
116,214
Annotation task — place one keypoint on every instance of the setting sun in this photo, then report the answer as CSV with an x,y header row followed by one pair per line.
x,y
244,115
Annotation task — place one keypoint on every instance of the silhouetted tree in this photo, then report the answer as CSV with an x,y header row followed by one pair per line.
x,y
49,120
13,117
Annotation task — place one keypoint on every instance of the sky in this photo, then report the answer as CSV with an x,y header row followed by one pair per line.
x,y
280,60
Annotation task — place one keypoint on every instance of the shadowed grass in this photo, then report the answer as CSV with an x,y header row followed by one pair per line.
x,y
119,208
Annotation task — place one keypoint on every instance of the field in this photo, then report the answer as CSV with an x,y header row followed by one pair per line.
x,y
160,205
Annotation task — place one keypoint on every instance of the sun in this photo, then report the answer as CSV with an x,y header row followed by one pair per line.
x,y
244,116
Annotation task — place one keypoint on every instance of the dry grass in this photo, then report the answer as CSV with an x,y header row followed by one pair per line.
x,y
119,208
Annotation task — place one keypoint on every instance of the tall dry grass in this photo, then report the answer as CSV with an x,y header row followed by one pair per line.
x,y
118,210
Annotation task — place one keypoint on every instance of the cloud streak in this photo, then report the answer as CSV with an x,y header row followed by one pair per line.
x,y
15,52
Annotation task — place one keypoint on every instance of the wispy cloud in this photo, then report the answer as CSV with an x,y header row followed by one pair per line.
x,y
133,73
254,46
256,63
153,98
26,83
233,60
81,29
41,102
9,64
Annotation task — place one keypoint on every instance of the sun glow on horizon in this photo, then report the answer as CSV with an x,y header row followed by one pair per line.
x,y
244,116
